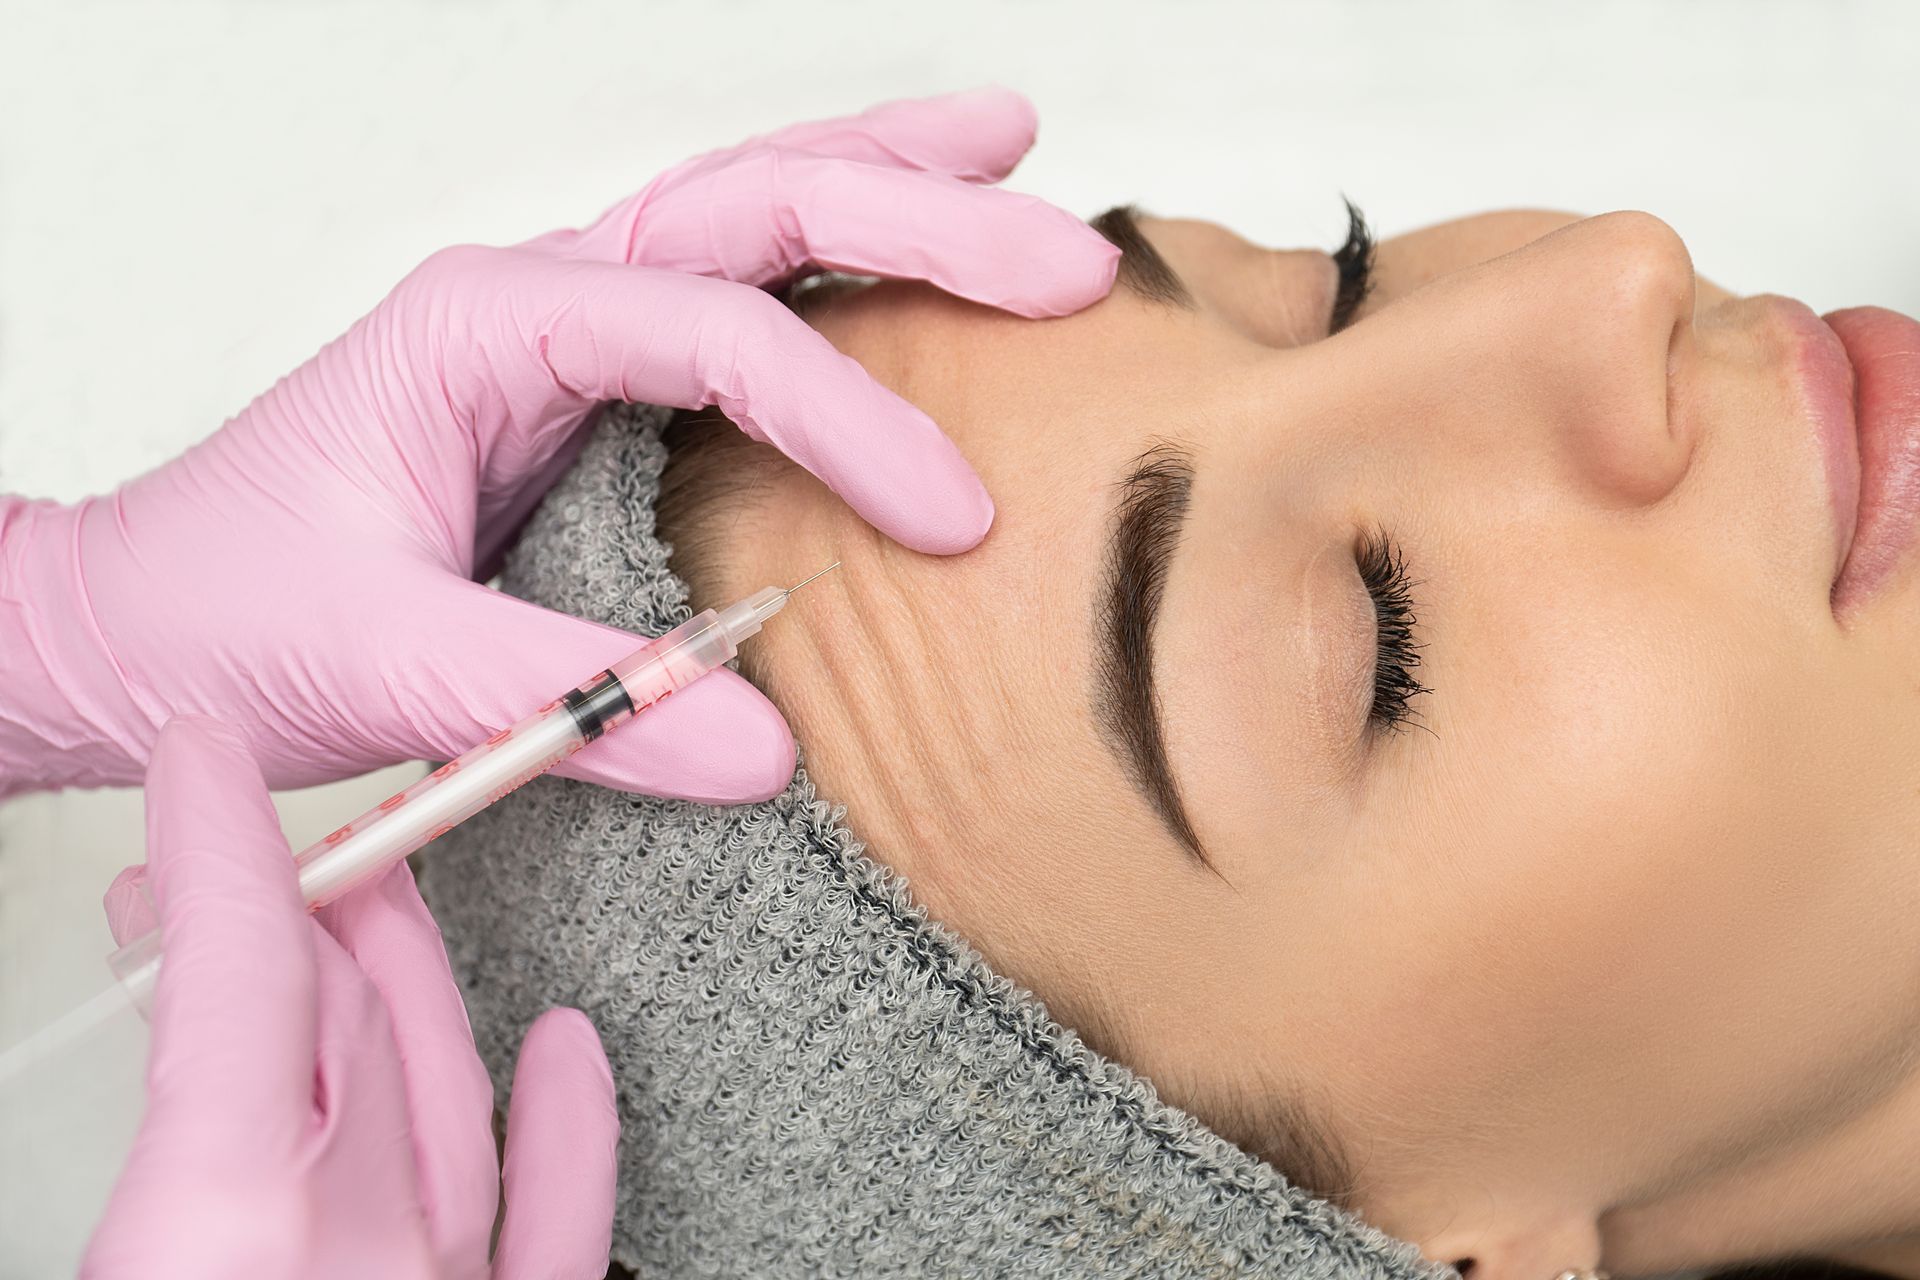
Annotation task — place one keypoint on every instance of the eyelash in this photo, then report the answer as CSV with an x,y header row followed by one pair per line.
x,y
1355,260
1384,572
1382,568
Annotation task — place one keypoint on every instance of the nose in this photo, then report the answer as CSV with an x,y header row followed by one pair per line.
x,y
1569,347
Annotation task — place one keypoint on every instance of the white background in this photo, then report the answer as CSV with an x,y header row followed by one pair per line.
x,y
195,197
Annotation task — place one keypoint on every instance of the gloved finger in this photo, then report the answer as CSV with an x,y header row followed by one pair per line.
x,y
230,1071
563,1133
882,193
503,511
482,660
387,930
976,135
772,212
362,1159
532,341
128,903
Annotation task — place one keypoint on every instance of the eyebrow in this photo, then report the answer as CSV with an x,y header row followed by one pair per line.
x,y
1154,497
1142,268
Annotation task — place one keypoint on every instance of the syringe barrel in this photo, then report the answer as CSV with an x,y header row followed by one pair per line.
x,y
504,763
676,659
347,858
364,848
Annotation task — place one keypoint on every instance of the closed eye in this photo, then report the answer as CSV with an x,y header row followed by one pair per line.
x,y
1397,646
1355,261
1145,271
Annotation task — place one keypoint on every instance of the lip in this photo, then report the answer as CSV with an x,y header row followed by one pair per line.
x,y
1883,351
1826,388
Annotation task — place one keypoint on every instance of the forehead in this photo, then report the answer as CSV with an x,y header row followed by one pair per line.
x,y
1052,414
1103,379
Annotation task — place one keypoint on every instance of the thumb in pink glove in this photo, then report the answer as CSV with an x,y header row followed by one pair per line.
x,y
307,573
315,1105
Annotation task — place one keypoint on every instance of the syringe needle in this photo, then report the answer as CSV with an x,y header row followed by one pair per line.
x,y
804,581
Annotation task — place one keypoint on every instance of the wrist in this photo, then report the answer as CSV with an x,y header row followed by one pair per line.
x,y
66,716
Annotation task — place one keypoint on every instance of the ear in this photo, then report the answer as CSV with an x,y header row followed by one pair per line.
x,y
1529,1245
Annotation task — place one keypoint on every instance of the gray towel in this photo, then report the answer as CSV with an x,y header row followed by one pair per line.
x,y
814,1079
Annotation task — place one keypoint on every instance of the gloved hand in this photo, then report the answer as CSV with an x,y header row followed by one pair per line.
x,y
308,574
315,1106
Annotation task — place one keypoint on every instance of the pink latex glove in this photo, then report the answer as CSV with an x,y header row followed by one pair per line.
x,y
308,573
315,1106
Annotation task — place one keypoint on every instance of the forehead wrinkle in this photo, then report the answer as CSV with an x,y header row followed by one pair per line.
x,y
921,706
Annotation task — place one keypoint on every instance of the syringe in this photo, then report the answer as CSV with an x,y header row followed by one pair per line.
x,y
441,801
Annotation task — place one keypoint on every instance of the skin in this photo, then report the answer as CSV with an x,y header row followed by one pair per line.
x,y
1608,962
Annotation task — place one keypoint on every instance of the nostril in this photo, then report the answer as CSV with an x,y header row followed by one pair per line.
x,y
1687,427
1676,340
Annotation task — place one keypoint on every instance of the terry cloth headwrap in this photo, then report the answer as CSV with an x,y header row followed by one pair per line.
x,y
814,1079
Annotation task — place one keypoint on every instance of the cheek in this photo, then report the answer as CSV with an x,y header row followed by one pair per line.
x,y
1601,890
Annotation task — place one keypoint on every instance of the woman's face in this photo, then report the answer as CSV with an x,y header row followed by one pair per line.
x,y
1631,889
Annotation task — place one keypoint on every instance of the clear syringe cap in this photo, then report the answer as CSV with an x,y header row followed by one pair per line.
x,y
745,618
